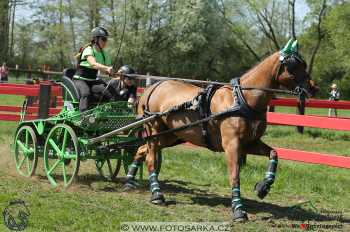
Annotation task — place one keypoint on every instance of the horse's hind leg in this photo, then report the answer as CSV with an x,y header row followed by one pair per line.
x,y
140,156
262,188
131,182
153,147
157,196
233,152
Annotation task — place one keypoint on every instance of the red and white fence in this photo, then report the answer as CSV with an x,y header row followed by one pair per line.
x,y
11,113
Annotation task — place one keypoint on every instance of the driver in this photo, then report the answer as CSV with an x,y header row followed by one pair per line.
x,y
92,59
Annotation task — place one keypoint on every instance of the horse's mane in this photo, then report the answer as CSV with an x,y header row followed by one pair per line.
x,y
252,70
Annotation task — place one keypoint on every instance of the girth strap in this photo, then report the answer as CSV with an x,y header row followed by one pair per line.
x,y
204,111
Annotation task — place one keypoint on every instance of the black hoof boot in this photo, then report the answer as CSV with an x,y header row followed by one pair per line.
x,y
130,185
239,215
157,198
262,189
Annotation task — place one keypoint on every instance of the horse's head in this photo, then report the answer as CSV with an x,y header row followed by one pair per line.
x,y
292,73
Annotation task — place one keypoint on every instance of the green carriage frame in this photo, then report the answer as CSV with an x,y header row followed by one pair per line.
x,y
63,140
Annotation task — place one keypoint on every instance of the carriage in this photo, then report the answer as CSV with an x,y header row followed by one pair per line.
x,y
107,133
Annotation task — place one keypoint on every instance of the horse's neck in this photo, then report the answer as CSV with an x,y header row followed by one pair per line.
x,y
261,76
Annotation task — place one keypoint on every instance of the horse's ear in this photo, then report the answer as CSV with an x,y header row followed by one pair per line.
x,y
287,47
294,47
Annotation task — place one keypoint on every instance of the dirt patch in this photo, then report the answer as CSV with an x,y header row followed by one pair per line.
x,y
7,163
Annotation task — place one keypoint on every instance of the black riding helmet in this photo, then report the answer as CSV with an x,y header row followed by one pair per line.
x,y
99,32
126,69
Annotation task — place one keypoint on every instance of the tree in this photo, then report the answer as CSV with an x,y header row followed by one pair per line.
x,y
4,29
318,11
291,11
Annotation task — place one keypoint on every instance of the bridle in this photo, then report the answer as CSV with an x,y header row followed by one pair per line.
x,y
283,62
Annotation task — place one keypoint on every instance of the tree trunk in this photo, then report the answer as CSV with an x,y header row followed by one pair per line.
x,y
319,34
91,18
12,28
4,29
61,41
114,22
97,13
292,23
71,23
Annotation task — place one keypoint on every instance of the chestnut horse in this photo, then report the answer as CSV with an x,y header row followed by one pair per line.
x,y
234,135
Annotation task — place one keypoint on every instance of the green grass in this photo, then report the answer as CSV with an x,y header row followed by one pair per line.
x,y
195,184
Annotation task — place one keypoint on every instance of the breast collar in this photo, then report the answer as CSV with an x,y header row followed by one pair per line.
x,y
241,106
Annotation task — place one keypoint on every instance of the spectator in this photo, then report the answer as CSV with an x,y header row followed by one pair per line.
x,y
4,72
334,96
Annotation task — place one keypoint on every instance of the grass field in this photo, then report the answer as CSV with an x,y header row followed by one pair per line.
x,y
196,188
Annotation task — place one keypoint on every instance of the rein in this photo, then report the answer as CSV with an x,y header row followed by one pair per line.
x,y
290,92
295,92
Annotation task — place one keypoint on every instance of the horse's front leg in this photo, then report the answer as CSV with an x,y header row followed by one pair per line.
x,y
262,188
233,152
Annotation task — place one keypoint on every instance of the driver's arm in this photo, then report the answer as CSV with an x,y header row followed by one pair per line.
x,y
98,66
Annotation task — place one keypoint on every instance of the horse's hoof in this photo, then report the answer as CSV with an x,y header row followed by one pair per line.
x,y
262,189
128,186
158,198
240,215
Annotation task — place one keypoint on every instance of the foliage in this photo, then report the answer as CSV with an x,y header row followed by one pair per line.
x,y
204,39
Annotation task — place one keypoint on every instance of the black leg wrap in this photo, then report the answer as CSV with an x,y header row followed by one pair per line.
x,y
133,169
237,207
262,188
157,196
131,183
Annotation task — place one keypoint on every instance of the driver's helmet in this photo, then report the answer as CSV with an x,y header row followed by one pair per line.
x,y
126,69
99,32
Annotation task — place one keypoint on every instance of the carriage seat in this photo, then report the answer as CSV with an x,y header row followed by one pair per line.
x,y
69,83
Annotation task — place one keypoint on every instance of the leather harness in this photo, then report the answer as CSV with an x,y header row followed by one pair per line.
x,y
201,103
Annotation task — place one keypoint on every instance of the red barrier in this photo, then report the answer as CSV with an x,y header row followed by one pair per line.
x,y
15,117
30,110
314,158
313,103
308,121
26,90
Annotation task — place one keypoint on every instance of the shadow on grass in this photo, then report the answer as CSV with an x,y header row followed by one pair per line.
x,y
86,180
277,211
202,197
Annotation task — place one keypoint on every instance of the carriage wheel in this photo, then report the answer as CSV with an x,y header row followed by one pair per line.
x,y
128,158
108,168
26,156
61,155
